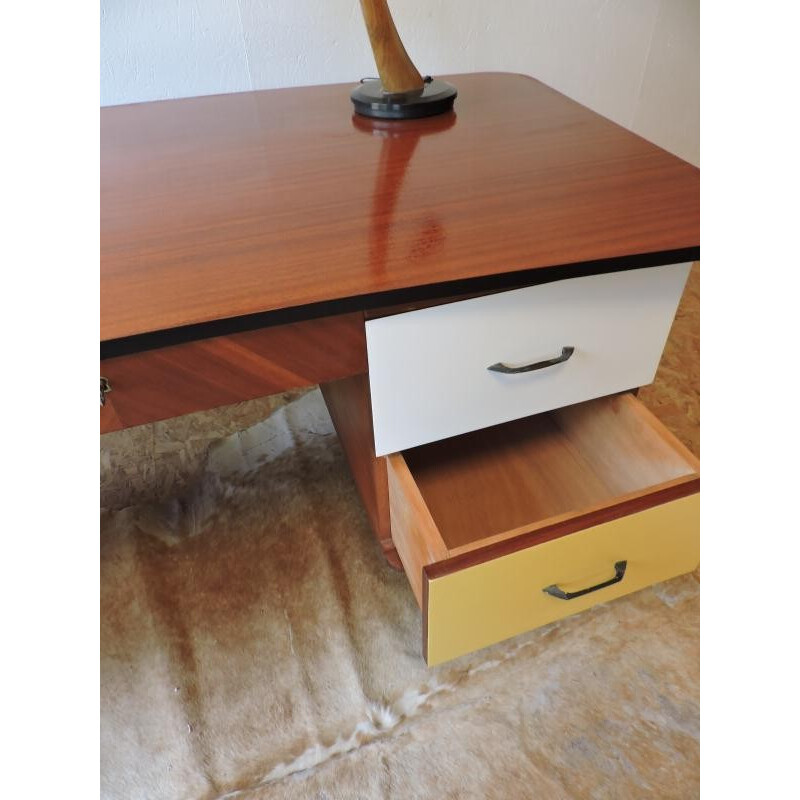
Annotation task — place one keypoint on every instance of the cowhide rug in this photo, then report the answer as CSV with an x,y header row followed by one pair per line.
x,y
255,645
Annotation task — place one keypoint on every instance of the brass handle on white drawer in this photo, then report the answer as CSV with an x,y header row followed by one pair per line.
x,y
566,353
619,574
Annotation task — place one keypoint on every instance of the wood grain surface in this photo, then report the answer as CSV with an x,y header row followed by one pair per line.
x,y
507,479
349,406
217,207
500,546
414,532
195,376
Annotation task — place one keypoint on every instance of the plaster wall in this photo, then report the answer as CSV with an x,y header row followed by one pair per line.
x,y
634,61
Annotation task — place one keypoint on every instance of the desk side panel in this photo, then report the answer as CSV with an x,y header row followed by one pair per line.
x,y
196,376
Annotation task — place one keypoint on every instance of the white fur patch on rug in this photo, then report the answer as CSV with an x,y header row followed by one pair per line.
x,y
255,645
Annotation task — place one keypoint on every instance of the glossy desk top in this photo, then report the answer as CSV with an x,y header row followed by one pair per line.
x,y
222,206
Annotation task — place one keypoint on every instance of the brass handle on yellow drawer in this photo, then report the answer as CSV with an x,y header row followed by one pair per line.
x,y
566,353
619,574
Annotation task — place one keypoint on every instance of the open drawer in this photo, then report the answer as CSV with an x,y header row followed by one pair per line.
x,y
512,527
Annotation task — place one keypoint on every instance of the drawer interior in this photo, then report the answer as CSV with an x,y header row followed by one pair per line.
x,y
603,457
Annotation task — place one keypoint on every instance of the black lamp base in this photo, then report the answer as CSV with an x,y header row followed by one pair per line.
x,y
436,97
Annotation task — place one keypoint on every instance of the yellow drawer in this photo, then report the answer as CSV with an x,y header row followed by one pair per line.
x,y
513,527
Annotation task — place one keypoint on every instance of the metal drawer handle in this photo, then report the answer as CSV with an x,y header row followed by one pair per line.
x,y
105,388
566,353
619,574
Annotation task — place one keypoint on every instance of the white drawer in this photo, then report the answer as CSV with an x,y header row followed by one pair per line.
x,y
429,369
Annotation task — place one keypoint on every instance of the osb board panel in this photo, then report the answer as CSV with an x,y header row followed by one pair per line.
x,y
674,396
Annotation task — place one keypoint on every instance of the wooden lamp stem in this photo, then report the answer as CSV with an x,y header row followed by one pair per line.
x,y
401,92
397,71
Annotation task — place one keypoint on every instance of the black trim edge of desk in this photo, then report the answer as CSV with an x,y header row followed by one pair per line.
x,y
138,343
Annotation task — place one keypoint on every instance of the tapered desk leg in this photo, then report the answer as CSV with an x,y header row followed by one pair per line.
x,y
348,402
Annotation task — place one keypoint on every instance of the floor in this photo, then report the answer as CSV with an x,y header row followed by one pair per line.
x,y
255,645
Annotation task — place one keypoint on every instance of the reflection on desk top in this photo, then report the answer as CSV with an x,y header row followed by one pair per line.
x,y
217,207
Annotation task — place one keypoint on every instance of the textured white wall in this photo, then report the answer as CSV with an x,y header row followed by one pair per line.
x,y
634,61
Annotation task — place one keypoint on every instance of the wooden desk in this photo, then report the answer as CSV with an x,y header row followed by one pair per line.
x,y
282,204
246,237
